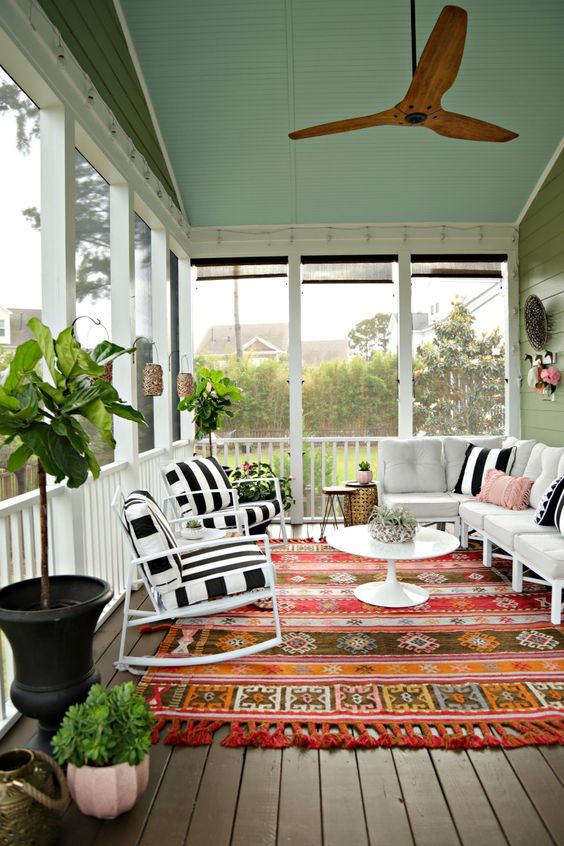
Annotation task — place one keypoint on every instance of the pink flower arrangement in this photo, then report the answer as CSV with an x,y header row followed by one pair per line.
x,y
550,376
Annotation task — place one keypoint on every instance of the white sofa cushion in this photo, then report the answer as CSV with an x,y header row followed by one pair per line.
x,y
413,465
454,448
545,554
504,528
473,512
543,466
523,451
443,506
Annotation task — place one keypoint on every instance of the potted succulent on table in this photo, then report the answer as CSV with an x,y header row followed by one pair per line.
x,y
50,621
105,741
392,525
364,473
193,530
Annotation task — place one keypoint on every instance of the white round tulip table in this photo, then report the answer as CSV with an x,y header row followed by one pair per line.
x,y
427,543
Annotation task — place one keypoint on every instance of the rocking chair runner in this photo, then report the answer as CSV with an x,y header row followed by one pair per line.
x,y
191,580
201,488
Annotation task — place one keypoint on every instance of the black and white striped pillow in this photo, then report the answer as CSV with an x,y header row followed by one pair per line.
x,y
150,533
221,571
192,483
477,462
545,515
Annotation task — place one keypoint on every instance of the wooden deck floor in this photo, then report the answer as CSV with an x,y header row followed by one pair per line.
x,y
212,796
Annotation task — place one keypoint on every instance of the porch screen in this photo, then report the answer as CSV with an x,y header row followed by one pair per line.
x,y
240,319
458,319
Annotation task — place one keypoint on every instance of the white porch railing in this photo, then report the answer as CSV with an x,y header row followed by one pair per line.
x,y
327,461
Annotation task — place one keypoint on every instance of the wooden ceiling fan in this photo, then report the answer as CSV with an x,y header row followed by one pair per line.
x,y
432,76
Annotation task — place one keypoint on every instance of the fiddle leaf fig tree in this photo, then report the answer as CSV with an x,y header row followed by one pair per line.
x,y
45,418
213,396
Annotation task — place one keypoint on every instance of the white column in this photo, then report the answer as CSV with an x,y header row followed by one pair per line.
x,y
185,337
160,281
58,214
58,275
295,369
405,360
122,271
512,347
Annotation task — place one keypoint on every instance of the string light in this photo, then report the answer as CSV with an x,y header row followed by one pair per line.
x,y
60,48
443,233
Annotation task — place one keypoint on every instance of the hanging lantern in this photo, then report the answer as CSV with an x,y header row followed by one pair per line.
x,y
184,382
152,380
108,372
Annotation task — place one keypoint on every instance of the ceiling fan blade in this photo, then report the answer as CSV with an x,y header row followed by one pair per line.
x,y
379,119
469,128
439,62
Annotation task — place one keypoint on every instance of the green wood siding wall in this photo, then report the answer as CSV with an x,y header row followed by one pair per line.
x,y
541,271
93,33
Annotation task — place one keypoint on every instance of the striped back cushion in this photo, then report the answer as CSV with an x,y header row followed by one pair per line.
x,y
150,533
191,483
545,515
476,462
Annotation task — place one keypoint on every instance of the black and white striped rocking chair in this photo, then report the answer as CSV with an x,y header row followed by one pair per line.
x,y
189,578
200,488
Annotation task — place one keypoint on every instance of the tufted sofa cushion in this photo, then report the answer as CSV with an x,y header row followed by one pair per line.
x,y
543,466
523,451
411,465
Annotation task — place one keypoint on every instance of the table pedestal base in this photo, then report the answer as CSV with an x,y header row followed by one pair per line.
x,y
391,593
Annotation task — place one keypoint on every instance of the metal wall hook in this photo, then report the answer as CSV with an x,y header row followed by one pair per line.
x,y
95,322
143,338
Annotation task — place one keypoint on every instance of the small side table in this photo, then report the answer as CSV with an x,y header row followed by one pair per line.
x,y
332,493
358,508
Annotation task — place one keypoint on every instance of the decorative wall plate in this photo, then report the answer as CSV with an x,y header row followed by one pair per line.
x,y
536,322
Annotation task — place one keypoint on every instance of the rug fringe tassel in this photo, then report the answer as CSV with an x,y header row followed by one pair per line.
x,y
327,735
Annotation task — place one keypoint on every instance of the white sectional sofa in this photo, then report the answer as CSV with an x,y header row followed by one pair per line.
x,y
420,474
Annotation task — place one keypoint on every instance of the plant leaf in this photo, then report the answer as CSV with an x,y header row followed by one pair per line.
x,y
46,345
98,415
106,352
19,457
70,463
66,349
25,360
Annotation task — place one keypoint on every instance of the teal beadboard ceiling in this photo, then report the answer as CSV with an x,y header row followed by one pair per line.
x,y
228,79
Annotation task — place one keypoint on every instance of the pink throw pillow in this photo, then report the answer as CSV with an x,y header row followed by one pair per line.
x,y
508,491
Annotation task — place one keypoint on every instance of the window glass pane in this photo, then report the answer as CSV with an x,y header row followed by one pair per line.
x,y
458,347
241,327
144,327
93,294
174,344
20,256
349,367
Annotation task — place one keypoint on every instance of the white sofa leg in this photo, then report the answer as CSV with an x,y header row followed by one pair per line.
x,y
463,534
517,575
487,552
556,604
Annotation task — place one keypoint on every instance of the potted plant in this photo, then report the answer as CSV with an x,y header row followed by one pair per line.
x,y
211,401
105,741
193,530
257,478
364,473
50,621
392,525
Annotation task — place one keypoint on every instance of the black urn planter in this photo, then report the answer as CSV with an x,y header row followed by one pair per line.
x,y
53,661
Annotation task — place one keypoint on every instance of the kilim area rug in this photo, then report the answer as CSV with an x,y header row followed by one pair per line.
x,y
476,665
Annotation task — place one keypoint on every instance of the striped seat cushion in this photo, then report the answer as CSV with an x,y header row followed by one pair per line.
x,y
194,485
257,513
150,533
477,462
221,571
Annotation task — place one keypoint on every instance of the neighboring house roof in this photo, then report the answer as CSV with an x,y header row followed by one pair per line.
x,y
219,340
18,328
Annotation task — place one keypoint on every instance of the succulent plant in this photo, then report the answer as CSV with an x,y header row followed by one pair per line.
x,y
364,465
398,516
194,524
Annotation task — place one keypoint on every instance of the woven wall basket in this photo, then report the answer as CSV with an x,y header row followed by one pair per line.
x,y
152,380
184,385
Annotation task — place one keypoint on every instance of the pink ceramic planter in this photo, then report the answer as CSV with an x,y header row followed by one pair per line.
x,y
107,792
363,477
